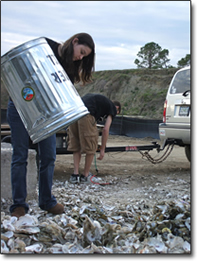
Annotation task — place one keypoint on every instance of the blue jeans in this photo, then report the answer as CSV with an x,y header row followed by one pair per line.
x,y
47,157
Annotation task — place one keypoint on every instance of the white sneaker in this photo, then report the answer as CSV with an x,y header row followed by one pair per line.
x,y
74,179
90,179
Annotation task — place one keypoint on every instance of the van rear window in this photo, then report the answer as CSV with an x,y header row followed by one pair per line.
x,y
181,82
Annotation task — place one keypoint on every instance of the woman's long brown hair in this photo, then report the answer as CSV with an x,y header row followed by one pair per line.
x,y
78,70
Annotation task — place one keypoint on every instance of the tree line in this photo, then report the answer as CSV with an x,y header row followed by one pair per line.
x,y
152,56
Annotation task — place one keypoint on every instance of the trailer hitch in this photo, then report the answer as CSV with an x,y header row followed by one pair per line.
x,y
167,145
149,147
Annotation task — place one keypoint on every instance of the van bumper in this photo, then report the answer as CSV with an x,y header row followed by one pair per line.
x,y
180,133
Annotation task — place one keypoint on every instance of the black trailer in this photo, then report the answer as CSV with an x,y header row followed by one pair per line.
x,y
61,145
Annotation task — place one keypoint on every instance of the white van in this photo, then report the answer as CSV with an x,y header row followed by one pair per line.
x,y
177,111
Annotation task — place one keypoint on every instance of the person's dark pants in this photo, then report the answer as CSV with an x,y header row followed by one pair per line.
x,y
47,157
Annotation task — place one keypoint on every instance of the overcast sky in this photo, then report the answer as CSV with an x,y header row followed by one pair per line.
x,y
119,28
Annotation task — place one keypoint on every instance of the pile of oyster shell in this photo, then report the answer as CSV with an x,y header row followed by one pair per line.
x,y
91,224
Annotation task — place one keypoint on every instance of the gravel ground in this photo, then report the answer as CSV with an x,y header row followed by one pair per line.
x,y
133,184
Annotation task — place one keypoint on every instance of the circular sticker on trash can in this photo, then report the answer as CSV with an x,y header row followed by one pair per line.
x,y
28,93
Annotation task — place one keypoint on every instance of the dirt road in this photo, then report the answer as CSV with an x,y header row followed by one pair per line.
x,y
132,176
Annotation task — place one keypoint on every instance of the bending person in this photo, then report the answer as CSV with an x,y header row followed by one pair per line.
x,y
83,134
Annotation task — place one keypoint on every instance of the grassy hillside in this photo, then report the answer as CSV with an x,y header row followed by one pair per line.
x,y
141,92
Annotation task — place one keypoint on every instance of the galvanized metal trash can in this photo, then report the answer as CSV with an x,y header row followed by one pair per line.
x,y
43,94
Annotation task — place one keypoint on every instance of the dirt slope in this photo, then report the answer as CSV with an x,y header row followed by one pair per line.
x,y
142,92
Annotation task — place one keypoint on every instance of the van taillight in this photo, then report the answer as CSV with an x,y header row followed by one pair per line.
x,y
164,111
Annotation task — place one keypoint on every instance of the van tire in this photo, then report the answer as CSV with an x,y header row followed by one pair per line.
x,y
188,152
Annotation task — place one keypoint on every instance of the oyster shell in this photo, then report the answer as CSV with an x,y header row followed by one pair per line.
x,y
91,231
36,248
92,223
4,248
